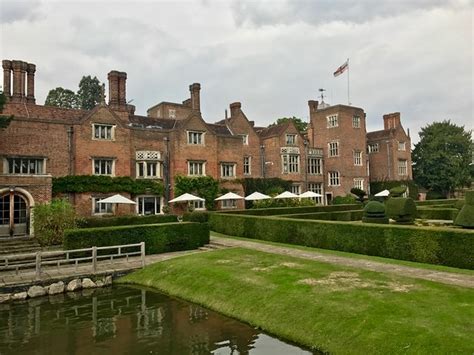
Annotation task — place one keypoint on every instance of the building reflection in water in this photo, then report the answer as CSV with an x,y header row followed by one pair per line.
x,y
121,320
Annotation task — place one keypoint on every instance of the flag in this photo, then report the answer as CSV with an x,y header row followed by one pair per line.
x,y
342,68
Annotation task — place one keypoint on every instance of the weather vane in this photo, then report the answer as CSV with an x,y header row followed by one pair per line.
x,y
321,90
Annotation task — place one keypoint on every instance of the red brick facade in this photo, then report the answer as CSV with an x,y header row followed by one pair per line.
x,y
112,140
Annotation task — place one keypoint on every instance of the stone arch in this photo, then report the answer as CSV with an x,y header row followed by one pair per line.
x,y
30,204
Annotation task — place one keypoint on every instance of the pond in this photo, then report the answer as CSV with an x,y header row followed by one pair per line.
x,y
127,320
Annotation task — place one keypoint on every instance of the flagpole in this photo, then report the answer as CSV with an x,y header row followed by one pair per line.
x,y
348,91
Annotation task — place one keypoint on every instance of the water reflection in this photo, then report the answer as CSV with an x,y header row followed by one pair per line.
x,y
123,320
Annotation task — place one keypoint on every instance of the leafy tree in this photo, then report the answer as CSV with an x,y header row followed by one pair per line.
x,y
89,93
441,158
301,125
61,97
4,120
52,219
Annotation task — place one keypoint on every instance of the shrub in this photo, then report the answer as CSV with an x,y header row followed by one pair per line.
x,y
444,246
398,191
351,215
158,238
445,202
93,222
196,216
435,195
401,209
359,193
459,204
465,217
287,202
437,213
374,212
343,200
51,220
294,210
377,186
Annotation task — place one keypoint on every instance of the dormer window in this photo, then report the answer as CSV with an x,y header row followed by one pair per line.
x,y
195,137
103,131
291,139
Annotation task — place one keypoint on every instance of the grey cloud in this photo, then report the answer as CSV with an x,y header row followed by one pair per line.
x,y
323,11
11,10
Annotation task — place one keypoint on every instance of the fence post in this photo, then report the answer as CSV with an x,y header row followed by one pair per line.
x,y
142,251
94,259
38,265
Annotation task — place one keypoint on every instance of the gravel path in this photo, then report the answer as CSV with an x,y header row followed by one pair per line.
x,y
425,274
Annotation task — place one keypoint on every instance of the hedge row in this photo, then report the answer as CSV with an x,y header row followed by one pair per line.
x,y
437,213
158,238
93,222
275,211
451,202
351,215
444,246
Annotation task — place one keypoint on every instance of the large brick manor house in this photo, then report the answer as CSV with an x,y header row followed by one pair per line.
x,y
42,142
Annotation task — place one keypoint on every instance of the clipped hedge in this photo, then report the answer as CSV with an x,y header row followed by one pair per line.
x,y
451,202
294,210
437,213
196,216
444,246
351,215
158,238
94,222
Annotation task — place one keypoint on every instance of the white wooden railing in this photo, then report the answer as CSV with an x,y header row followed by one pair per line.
x,y
74,257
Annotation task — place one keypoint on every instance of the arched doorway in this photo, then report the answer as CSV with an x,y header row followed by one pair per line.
x,y
14,214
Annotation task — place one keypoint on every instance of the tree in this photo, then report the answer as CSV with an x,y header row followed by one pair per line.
x,y
89,93
299,123
441,158
61,97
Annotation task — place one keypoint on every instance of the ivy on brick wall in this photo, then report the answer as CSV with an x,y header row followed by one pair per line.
x,y
378,186
202,186
105,184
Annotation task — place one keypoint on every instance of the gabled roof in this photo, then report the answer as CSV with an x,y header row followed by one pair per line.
x,y
219,129
44,112
271,131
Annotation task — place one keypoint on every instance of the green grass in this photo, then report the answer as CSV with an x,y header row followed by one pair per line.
x,y
353,255
322,306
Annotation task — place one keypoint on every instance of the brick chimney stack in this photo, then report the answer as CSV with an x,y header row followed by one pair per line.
x,y
122,86
195,96
391,120
313,106
235,108
30,98
17,66
117,90
7,75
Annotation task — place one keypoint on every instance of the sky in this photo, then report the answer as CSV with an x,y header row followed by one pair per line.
x,y
408,56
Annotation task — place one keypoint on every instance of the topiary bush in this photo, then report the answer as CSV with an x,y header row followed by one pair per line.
x,y
465,217
374,212
51,221
401,209
398,191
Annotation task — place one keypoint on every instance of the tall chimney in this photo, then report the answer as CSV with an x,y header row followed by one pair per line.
x,y
113,78
24,67
235,109
122,89
16,66
313,106
7,74
30,98
195,96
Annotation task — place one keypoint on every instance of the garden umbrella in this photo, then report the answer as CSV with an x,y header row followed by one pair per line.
x,y
310,194
286,194
117,199
257,196
186,197
229,196
383,193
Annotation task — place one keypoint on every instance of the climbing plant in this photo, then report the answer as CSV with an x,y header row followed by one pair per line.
x,y
202,186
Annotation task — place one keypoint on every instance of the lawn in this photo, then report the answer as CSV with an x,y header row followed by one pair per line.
x,y
322,306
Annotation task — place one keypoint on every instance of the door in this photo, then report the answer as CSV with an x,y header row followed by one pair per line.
x,y
13,215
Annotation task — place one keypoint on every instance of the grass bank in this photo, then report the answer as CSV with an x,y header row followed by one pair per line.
x,y
323,306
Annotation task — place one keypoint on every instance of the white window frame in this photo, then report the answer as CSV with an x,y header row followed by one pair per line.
x,y
228,170
296,189
112,167
245,139
332,121
315,166
229,204
10,165
247,165
203,167
402,146
290,163
333,149
318,188
140,200
373,148
291,139
334,178
355,121
104,208
195,137
358,183
357,157
402,167
147,164
100,127
198,205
